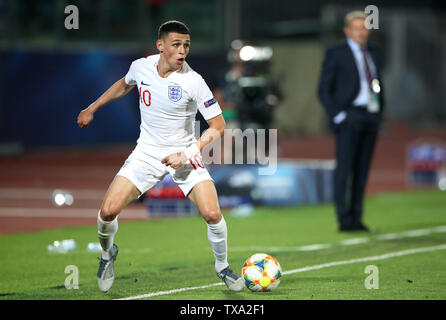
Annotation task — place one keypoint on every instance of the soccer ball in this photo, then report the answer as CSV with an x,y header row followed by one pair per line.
x,y
261,272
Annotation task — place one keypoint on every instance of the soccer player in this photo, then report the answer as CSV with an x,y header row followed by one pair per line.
x,y
170,93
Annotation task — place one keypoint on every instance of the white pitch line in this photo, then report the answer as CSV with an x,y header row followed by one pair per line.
x,y
304,269
417,233
161,293
439,229
311,247
366,259
348,242
388,236
314,247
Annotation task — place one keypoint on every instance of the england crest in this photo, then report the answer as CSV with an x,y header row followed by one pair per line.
x,y
175,93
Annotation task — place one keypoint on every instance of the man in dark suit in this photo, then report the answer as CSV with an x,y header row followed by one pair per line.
x,y
350,90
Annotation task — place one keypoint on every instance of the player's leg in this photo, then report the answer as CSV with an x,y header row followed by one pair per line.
x,y
139,173
120,193
204,196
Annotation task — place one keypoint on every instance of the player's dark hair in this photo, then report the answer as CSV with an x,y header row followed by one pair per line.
x,y
172,26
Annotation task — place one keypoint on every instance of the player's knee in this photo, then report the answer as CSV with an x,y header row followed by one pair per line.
x,y
110,211
212,216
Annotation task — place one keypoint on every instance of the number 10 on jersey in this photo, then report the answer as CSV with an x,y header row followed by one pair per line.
x,y
145,96
196,162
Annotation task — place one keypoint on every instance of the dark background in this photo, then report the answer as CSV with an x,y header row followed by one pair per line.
x,y
48,74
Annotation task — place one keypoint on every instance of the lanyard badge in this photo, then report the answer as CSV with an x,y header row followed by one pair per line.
x,y
373,105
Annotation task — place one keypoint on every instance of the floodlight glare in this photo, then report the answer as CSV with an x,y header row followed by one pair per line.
x,y
62,197
247,53
59,199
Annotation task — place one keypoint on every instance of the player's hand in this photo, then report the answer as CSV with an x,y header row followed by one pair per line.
x,y
175,160
84,118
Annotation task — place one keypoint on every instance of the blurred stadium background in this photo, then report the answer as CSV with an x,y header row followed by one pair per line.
x,y
48,74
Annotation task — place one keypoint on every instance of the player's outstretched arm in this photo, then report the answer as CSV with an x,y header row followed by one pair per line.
x,y
215,131
116,91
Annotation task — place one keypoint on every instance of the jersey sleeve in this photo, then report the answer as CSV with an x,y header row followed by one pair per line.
x,y
206,102
130,76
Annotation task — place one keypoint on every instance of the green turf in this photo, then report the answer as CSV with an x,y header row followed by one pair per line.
x,y
174,253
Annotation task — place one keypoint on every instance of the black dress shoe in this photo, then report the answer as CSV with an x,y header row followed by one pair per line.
x,y
347,227
353,228
361,227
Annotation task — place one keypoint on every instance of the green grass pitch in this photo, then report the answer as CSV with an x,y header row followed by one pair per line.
x,y
169,254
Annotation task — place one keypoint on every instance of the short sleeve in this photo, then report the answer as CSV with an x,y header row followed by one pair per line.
x,y
206,102
130,76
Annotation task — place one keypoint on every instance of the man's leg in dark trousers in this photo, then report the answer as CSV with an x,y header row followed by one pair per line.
x,y
347,142
362,163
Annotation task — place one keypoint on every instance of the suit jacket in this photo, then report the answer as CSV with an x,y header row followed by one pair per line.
x,y
339,80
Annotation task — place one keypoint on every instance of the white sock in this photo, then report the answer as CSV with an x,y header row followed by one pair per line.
x,y
218,236
106,234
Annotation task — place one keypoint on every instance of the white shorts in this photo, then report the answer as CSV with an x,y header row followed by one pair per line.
x,y
146,170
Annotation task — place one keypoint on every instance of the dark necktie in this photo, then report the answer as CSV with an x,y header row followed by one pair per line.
x,y
367,67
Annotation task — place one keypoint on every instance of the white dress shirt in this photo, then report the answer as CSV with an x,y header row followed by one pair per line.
x,y
362,99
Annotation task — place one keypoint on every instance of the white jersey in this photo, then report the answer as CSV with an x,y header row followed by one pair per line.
x,y
168,105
